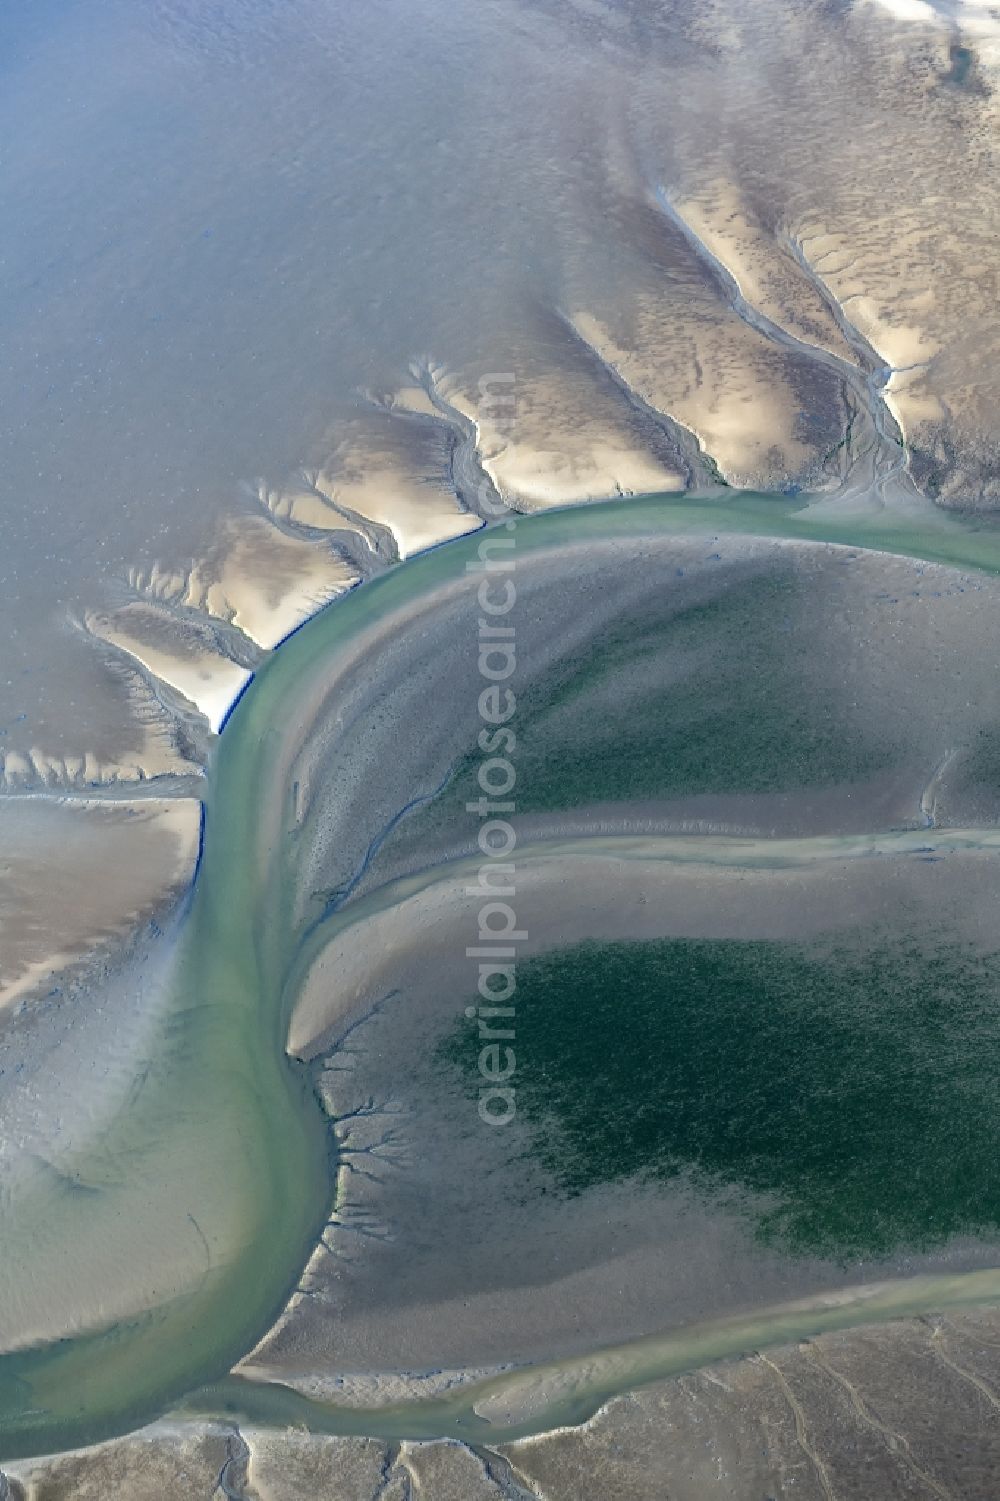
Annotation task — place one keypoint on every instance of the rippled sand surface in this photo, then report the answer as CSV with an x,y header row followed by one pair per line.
x,y
835,1417
53,913
263,262
293,294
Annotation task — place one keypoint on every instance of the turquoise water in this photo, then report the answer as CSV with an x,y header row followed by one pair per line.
x,y
224,1111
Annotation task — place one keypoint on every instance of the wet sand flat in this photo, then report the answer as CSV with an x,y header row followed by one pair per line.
x,y
699,279
311,845
287,303
623,1255
53,913
838,1411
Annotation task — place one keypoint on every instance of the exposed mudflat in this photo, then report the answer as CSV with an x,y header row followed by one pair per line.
x,y
298,361
627,629
54,915
291,302
904,1409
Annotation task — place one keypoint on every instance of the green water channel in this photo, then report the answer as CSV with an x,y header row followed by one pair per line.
x,y
224,1109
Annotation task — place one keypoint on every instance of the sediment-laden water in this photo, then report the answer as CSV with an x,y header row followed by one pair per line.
x,y
225,1132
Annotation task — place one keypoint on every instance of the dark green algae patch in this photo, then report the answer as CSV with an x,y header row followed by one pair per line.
x,y
844,1096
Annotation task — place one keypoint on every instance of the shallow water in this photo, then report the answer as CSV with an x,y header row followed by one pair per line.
x,y
520,1403
223,1113
223,233
230,236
